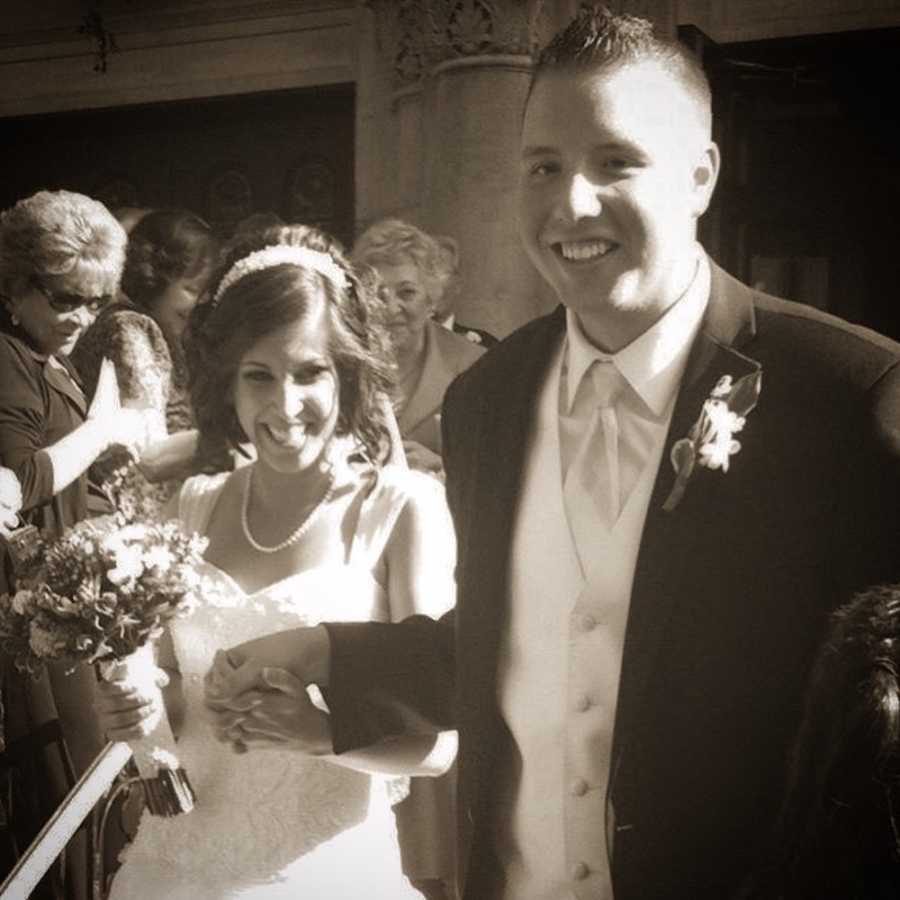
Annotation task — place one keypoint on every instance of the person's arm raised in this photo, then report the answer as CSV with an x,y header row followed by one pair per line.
x,y
107,424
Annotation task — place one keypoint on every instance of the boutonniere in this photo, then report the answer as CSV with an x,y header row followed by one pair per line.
x,y
710,442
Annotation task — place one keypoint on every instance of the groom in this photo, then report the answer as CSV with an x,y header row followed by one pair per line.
x,y
660,490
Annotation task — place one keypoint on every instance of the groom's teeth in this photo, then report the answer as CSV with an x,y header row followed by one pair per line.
x,y
584,249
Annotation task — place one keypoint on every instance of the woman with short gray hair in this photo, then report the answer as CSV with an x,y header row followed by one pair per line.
x,y
412,272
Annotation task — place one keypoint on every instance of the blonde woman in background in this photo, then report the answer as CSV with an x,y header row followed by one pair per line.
x,y
413,271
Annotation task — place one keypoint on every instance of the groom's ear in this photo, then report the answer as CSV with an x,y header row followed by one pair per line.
x,y
704,176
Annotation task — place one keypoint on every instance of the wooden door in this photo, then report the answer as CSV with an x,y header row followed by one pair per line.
x,y
810,182
290,152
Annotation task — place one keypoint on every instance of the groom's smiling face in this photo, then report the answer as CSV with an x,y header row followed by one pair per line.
x,y
616,167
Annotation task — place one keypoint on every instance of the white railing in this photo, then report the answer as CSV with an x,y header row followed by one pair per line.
x,y
53,837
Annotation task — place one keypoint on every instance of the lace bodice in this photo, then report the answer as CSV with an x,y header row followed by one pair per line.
x,y
259,816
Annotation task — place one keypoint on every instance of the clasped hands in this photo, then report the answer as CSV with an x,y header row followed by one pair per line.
x,y
255,694
257,699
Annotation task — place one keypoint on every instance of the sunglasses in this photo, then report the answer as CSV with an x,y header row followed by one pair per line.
x,y
66,303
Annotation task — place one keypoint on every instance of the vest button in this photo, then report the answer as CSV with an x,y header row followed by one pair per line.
x,y
579,787
588,622
580,871
583,703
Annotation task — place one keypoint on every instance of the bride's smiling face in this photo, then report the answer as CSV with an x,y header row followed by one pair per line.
x,y
287,395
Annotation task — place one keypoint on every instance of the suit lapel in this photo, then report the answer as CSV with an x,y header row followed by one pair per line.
x,y
495,466
671,540
498,458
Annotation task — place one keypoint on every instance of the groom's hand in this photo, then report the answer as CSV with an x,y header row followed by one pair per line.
x,y
286,717
304,652
272,708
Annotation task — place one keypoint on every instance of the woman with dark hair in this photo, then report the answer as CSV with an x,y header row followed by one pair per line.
x,y
838,832
290,356
171,255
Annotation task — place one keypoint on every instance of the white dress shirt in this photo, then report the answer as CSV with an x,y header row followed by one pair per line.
x,y
560,658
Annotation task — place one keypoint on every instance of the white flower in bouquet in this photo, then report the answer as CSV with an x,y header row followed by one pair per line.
x,y
129,565
158,558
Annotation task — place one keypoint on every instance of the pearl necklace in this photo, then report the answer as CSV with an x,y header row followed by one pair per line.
x,y
298,532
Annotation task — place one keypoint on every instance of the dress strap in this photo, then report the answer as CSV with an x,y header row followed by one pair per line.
x,y
197,499
382,505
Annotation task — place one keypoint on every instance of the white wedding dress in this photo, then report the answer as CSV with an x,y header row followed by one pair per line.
x,y
269,824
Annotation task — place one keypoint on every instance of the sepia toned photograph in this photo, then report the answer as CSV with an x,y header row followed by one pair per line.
x,y
449,450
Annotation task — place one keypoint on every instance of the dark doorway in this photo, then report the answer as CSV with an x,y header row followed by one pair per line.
x,y
807,201
289,152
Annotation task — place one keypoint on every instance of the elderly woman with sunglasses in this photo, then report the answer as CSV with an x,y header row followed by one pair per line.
x,y
61,257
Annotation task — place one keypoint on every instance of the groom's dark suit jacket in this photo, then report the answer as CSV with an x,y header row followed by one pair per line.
x,y
730,596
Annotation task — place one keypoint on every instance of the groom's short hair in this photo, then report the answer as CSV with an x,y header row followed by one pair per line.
x,y
596,39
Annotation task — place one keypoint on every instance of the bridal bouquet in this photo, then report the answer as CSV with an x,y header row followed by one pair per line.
x,y
102,594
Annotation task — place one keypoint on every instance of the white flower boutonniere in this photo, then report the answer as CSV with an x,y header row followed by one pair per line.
x,y
711,441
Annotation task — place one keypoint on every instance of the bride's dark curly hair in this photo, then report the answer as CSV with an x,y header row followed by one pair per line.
x,y
837,833
266,301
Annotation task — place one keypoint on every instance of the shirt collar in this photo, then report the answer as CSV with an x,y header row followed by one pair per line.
x,y
653,363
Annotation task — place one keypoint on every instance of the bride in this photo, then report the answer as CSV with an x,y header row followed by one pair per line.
x,y
289,356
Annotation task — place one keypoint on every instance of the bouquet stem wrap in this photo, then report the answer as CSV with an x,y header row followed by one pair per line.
x,y
167,790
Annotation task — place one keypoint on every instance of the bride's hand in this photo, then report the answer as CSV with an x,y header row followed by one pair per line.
x,y
126,712
304,652
284,716
120,425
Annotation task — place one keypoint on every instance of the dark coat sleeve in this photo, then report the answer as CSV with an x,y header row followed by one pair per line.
x,y
879,530
23,424
389,679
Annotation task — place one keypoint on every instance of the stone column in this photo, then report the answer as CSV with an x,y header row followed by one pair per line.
x,y
440,93
474,97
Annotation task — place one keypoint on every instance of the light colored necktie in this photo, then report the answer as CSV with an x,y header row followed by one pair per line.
x,y
592,488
